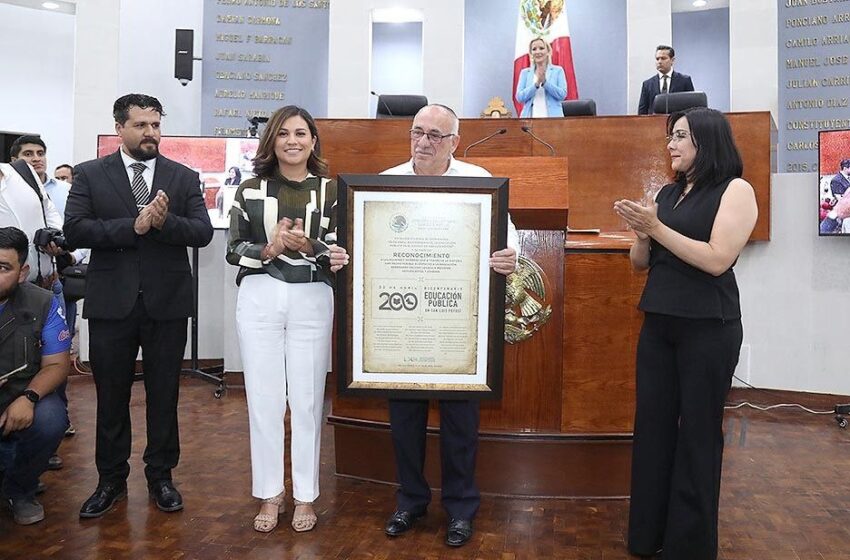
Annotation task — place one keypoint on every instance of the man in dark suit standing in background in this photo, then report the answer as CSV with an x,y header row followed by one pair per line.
x,y
666,80
138,211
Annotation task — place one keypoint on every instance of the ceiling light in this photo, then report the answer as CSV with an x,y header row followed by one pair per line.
x,y
50,5
699,3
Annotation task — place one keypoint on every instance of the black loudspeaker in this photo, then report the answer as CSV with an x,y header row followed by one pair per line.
x,y
184,54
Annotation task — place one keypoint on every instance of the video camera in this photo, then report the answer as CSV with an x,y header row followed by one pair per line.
x,y
44,236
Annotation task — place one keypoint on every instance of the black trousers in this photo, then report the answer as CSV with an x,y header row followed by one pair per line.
x,y
459,422
684,371
114,345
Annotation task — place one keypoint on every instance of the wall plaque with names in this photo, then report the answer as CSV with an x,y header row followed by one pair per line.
x,y
259,55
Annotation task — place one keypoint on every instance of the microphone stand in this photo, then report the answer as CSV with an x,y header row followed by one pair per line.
x,y
214,374
527,130
498,132
384,103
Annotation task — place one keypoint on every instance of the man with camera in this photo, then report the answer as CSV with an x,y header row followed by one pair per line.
x,y
32,150
34,361
25,205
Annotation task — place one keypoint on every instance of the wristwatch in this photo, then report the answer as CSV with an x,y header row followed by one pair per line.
x,y
31,396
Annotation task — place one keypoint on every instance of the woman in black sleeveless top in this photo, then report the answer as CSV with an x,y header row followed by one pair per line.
x,y
688,239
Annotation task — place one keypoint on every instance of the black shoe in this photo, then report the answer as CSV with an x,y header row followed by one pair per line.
x,y
459,532
165,495
40,488
70,430
104,497
401,521
55,463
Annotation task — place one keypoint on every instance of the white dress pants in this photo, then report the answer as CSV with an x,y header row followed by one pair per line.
x,y
284,336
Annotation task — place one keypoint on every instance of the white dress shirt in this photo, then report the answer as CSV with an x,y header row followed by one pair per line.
x,y
538,107
460,169
661,81
58,192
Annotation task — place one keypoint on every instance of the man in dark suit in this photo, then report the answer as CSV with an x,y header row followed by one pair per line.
x,y
665,81
138,211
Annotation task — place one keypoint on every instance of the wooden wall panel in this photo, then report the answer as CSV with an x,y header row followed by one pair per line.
x,y
609,157
509,466
601,324
372,145
532,373
539,195
624,157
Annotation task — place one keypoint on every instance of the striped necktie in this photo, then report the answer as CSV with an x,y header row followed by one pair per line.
x,y
140,189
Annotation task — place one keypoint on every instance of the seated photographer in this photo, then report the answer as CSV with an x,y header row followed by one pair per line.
x,y
34,361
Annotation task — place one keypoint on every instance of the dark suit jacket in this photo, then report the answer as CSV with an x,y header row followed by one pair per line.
x,y
839,185
652,87
100,213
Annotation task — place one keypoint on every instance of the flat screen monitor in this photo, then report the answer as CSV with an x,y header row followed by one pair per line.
x,y
221,163
834,182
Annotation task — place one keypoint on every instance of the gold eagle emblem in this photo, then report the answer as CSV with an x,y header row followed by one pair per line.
x,y
526,308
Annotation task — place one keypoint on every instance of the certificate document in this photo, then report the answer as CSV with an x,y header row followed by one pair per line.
x,y
421,299
424,259
419,312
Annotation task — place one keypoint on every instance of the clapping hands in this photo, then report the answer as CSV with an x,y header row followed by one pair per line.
x,y
153,214
289,235
639,218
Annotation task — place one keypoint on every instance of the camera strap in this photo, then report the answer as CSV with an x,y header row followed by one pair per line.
x,y
23,169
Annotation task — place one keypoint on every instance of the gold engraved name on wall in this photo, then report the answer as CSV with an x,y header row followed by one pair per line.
x,y
526,306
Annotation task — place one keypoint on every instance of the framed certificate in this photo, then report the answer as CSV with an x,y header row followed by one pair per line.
x,y
419,312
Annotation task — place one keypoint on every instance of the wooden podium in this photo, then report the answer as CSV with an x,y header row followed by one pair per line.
x,y
522,450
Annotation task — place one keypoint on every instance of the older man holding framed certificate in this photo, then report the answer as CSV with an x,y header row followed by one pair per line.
x,y
423,314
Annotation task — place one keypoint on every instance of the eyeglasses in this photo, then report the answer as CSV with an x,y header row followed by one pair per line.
x,y
433,137
677,136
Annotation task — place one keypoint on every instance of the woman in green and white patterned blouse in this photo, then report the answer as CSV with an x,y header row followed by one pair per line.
x,y
279,225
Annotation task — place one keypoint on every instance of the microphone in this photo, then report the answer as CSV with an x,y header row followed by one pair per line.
x,y
498,132
387,107
527,130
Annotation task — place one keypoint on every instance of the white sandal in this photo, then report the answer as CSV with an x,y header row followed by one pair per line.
x,y
266,522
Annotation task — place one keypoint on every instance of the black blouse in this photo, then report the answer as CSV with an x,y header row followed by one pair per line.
x,y
674,287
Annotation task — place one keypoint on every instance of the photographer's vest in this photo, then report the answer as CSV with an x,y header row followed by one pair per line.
x,y
21,323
